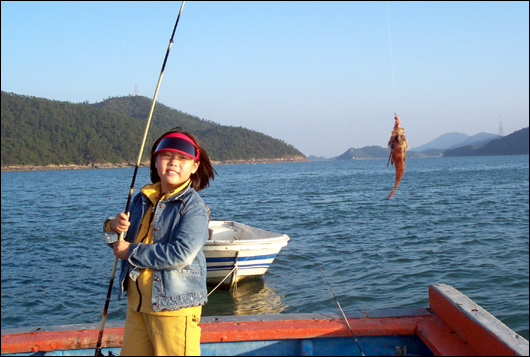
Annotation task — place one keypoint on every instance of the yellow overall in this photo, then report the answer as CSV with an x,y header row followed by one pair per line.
x,y
150,333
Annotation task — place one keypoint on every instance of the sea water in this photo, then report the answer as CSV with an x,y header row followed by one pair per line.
x,y
461,221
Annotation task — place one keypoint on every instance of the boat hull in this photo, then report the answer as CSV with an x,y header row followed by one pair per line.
x,y
453,325
240,251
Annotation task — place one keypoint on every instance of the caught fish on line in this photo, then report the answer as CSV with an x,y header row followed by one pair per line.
x,y
397,145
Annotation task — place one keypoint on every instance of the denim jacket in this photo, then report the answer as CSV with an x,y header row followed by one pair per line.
x,y
180,230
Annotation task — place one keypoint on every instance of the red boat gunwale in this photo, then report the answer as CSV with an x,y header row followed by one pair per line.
x,y
488,335
454,325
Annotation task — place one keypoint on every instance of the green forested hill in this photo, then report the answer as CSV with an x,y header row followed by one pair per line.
x,y
37,131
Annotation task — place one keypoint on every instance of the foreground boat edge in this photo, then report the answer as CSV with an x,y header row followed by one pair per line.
x,y
453,325
474,324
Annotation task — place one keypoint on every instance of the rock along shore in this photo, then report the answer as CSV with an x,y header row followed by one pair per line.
x,y
145,164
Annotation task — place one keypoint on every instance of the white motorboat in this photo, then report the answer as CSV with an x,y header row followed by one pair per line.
x,y
235,251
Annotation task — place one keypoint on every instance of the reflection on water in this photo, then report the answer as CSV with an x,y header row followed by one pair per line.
x,y
252,297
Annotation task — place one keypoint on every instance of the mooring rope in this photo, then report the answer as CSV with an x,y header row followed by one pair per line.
x,y
218,285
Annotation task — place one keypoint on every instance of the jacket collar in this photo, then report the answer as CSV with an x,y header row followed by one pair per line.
x,y
152,192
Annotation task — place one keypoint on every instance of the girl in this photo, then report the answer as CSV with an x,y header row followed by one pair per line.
x,y
163,267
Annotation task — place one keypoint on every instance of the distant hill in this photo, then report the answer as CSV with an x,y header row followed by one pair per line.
x,y
367,152
376,152
479,144
433,148
318,158
477,140
38,131
454,140
516,143
443,142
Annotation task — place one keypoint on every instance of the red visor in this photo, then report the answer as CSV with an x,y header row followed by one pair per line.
x,y
179,143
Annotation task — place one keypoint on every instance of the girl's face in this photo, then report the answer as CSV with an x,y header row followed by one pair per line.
x,y
174,169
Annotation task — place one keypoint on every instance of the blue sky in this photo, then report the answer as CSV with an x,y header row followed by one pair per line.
x,y
322,76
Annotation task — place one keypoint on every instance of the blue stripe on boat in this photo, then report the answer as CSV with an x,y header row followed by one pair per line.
x,y
229,267
239,259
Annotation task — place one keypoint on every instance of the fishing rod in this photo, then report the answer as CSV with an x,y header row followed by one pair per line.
x,y
340,308
131,190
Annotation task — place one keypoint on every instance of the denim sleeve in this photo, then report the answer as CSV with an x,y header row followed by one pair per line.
x,y
182,247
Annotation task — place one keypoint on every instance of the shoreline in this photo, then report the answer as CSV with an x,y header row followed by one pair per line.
x,y
19,168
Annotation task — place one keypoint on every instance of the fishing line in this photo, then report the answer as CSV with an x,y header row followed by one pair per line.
x,y
131,190
391,59
340,308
